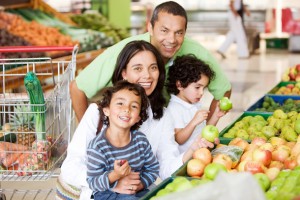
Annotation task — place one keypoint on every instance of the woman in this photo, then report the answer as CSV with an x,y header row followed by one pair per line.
x,y
139,62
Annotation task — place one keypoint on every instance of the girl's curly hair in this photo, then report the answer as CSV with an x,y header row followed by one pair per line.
x,y
124,85
187,69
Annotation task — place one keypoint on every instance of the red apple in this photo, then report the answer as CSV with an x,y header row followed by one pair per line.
x,y
224,160
241,166
195,167
251,147
254,167
203,154
247,155
297,77
263,156
258,141
277,141
239,142
290,144
272,173
281,153
277,164
290,162
296,149
297,67
267,146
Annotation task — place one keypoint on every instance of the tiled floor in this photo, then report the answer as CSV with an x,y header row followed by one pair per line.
x,y
251,79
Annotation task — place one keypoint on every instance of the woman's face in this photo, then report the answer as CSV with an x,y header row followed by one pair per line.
x,y
142,69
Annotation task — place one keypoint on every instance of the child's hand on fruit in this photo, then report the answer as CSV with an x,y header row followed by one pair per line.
x,y
200,116
122,168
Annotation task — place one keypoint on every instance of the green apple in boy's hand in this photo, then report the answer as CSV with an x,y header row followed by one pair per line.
x,y
225,104
210,133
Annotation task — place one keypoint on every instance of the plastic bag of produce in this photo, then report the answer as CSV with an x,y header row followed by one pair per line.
x,y
234,152
231,186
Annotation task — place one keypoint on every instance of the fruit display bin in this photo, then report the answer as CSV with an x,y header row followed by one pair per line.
x,y
182,171
277,99
226,141
160,186
281,84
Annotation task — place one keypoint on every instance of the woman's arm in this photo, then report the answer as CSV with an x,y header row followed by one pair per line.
x,y
73,169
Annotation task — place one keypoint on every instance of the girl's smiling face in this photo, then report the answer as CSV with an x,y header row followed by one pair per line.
x,y
124,109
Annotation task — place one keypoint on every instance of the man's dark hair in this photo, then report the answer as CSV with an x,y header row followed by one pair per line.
x,y
170,7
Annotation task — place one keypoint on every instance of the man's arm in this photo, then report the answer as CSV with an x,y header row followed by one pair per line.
x,y
214,104
79,100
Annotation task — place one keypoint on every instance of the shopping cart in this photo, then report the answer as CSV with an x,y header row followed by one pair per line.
x,y
16,119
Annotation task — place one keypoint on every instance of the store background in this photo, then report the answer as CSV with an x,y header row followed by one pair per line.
x,y
251,78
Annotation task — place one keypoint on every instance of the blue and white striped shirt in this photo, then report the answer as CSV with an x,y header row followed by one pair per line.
x,y
101,156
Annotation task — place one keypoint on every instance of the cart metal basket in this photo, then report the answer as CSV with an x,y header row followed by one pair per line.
x,y
16,118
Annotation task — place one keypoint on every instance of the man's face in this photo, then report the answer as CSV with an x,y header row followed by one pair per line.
x,y
167,35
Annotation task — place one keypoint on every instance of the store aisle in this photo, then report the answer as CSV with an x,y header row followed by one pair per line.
x,y
251,79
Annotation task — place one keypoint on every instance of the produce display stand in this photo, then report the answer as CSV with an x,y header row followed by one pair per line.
x,y
281,84
59,119
36,4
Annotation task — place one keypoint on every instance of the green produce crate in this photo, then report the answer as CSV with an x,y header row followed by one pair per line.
x,y
277,43
181,171
277,99
280,84
154,191
226,129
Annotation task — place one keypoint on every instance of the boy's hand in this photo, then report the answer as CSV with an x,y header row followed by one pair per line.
x,y
122,168
200,116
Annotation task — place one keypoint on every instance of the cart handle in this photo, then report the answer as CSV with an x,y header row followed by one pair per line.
x,y
8,49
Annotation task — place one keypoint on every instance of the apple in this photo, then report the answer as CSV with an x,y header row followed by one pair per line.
x,y
163,192
258,141
272,172
290,162
297,126
182,186
267,146
241,166
212,170
247,155
223,159
281,153
225,104
276,141
203,154
195,167
239,142
296,149
210,133
276,164
254,167
263,156
263,181
297,67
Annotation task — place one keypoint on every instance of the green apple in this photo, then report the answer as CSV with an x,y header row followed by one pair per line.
x,y
182,186
263,181
297,126
212,170
210,133
269,131
225,104
163,192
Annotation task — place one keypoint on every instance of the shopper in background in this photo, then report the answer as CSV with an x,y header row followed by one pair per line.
x,y
188,78
236,31
119,149
139,62
167,29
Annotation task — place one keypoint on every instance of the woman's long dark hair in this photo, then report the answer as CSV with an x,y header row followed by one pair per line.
x,y
157,100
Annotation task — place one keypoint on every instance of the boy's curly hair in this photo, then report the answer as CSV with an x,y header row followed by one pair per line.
x,y
187,69
124,85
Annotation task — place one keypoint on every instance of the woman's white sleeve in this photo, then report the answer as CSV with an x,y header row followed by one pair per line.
x,y
73,169
168,153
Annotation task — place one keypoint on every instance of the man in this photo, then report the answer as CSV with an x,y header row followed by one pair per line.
x,y
167,30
